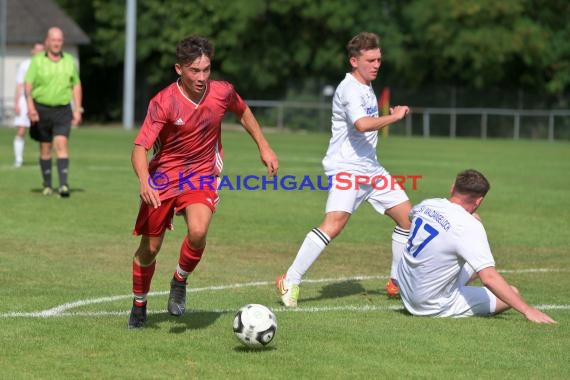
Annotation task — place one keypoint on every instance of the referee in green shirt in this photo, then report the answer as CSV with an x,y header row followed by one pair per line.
x,y
52,87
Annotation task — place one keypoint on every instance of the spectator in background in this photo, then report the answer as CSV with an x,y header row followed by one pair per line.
x,y
21,120
52,83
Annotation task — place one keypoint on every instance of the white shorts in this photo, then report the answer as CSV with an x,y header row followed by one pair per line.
x,y
470,300
21,119
346,195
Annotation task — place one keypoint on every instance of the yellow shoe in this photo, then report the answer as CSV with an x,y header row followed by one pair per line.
x,y
289,293
47,191
392,288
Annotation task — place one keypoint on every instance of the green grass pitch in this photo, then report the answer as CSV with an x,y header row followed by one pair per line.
x,y
65,269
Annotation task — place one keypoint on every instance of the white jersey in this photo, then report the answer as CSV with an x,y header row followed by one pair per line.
x,y
21,119
350,150
22,69
444,237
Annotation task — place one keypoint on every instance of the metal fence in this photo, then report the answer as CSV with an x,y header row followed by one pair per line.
x,y
547,120
551,125
430,121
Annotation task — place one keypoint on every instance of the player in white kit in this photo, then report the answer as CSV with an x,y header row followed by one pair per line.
x,y
21,120
352,155
447,249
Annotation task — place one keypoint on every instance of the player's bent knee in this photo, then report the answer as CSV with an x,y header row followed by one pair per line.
x,y
197,241
197,236
146,257
147,251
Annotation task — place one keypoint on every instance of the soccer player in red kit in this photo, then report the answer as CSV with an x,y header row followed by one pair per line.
x,y
183,126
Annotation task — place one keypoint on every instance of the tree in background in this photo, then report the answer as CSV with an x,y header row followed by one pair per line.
x,y
276,48
510,43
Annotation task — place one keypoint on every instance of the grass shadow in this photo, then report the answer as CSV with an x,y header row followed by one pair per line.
x,y
350,288
191,320
242,348
338,290
403,311
71,191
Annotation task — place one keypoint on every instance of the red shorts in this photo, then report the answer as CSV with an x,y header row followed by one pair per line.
x,y
154,221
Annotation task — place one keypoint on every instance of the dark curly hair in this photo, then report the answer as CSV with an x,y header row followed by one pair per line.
x,y
193,47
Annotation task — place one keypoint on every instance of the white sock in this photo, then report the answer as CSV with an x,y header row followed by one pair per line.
x,y
19,148
399,240
181,272
315,242
140,299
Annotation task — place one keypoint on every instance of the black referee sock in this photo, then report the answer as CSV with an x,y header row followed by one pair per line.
x,y
45,167
62,169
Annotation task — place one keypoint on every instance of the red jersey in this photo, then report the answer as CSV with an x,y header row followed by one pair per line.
x,y
186,136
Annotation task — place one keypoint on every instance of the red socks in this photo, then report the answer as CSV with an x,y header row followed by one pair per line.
x,y
188,260
142,277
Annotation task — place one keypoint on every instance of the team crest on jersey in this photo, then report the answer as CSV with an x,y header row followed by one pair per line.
x,y
369,104
372,111
179,121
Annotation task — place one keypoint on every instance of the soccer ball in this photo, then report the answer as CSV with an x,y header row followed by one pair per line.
x,y
255,325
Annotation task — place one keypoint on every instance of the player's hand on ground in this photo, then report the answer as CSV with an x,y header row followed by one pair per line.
x,y
538,316
400,111
269,159
149,195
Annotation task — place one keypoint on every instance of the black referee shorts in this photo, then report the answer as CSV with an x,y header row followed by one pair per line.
x,y
54,121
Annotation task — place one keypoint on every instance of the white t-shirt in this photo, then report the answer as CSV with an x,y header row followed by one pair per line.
x,y
22,69
350,150
22,118
443,238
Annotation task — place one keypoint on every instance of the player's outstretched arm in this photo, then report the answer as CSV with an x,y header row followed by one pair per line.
x,y
139,160
268,157
508,297
367,123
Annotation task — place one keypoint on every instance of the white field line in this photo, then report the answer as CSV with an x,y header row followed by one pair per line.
x,y
62,310
363,308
